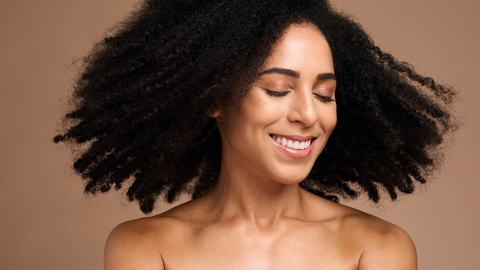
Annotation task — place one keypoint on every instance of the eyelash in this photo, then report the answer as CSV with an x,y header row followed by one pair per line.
x,y
276,94
281,94
324,98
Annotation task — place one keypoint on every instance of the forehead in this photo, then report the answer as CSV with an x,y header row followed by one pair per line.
x,y
301,46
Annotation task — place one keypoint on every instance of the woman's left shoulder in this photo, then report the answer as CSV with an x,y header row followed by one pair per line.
x,y
372,242
384,245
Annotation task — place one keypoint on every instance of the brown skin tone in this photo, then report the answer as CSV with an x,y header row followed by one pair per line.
x,y
257,217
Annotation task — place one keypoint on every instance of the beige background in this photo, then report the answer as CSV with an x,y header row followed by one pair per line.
x,y
47,223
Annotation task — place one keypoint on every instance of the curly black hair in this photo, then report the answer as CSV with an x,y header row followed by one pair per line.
x,y
142,100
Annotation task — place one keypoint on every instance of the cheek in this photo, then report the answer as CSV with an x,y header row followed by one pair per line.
x,y
245,124
261,111
270,112
328,120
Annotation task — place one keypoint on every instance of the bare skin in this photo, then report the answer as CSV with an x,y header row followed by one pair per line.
x,y
257,216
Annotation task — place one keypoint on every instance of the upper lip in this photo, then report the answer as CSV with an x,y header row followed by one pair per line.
x,y
294,137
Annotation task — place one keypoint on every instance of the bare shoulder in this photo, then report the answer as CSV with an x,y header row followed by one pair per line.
x,y
372,242
387,246
139,244
384,245
130,245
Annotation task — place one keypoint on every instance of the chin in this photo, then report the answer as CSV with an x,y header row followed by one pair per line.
x,y
291,178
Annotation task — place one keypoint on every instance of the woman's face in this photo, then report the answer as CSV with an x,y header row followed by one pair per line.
x,y
286,118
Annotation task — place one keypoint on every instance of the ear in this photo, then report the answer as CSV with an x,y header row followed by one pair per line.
x,y
215,110
214,113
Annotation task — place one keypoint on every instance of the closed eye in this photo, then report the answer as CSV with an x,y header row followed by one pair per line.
x,y
281,94
276,94
324,98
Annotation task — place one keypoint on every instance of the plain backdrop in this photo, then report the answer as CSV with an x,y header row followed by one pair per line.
x,y
47,223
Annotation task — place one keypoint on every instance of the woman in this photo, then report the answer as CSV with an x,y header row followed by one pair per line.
x,y
264,111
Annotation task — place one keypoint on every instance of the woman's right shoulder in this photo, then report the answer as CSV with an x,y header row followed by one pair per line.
x,y
139,244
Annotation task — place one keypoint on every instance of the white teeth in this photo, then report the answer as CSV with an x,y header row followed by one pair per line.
x,y
290,143
296,145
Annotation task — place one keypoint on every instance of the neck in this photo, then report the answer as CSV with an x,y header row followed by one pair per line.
x,y
258,200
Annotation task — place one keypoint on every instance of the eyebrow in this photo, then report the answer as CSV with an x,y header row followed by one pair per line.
x,y
326,76
294,74
284,71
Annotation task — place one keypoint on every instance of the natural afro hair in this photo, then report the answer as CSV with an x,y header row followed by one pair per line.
x,y
141,103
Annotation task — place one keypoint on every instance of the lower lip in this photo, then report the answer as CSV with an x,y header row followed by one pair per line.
x,y
295,153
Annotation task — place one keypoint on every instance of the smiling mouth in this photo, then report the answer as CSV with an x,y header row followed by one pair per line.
x,y
291,143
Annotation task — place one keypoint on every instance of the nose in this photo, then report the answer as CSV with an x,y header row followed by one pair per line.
x,y
302,109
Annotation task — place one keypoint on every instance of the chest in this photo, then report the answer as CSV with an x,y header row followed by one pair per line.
x,y
287,250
